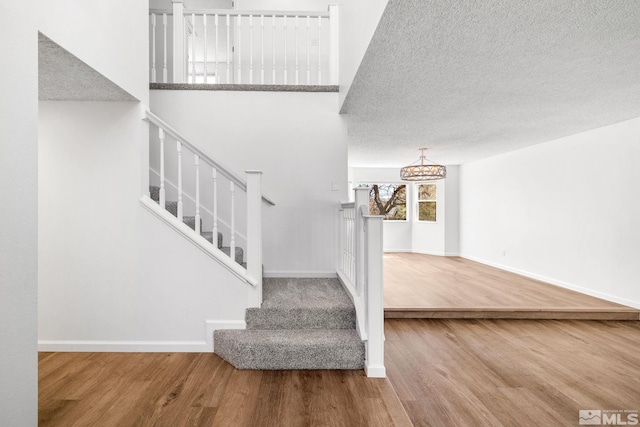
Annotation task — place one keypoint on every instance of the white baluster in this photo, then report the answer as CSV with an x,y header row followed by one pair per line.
x,y
228,51
333,44
308,50
319,50
162,196
232,250
250,49
215,207
197,161
296,48
190,42
204,22
273,44
262,49
215,51
285,51
193,50
164,32
153,48
180,209
239,49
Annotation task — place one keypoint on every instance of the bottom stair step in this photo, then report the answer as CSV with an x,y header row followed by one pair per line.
x,y
290,349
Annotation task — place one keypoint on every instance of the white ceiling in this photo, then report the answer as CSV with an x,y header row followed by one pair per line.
x,y
472,79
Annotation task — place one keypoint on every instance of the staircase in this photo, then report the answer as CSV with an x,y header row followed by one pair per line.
x,y
302,324
172,207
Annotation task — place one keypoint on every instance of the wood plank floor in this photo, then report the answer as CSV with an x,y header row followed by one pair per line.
x,y
426,286
201,389
441,373
512,372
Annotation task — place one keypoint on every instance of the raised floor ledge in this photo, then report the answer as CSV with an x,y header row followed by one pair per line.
x,y
244,87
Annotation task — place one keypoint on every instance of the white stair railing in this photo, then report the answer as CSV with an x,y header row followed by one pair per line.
x,y
360,268
242,228
227,46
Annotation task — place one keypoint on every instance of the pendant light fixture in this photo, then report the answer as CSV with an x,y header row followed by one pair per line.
x,y
423,171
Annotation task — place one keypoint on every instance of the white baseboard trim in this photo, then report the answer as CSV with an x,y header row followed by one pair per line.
x,y
429,253
123,346
375,371
560,283
393,251
213,325
301,274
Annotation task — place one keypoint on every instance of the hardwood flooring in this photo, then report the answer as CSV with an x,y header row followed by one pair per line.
x,y
201,389
441,372
512,372
426,286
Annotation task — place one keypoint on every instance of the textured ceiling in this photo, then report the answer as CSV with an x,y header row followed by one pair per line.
x,y
472,79
64,77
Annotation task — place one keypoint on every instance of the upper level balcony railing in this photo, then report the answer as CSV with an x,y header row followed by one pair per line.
x,y
227,46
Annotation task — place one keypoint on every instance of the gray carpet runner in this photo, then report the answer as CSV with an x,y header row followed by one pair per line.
x,y
303,324
172,207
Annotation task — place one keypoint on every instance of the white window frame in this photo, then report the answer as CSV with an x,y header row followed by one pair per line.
x,y
418,200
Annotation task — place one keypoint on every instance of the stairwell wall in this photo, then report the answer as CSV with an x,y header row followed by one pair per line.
x,y
565,212
298,140
113,277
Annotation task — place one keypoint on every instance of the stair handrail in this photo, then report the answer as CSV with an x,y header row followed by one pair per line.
x,y
150,117
360,269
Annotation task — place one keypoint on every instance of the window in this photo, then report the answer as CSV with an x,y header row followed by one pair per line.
x,y
389,200
427,202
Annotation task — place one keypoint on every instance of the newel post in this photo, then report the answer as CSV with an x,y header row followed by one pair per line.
x,y
179,42
361,208
374,297
254,236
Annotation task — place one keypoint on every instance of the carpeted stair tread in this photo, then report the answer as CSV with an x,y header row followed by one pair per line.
x,y
290,349
172,207
290,303
154,192
304,293
239,253
209,236
191,222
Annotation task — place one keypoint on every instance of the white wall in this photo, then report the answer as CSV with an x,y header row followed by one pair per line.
x,y
112,276
18,214
110,36
358,21
565,211
298,141
452,211
434,238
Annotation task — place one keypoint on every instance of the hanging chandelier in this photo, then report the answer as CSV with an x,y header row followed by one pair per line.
x,y
422,171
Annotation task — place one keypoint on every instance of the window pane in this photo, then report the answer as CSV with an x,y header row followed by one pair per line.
x,y
426,192
427,211
389,200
